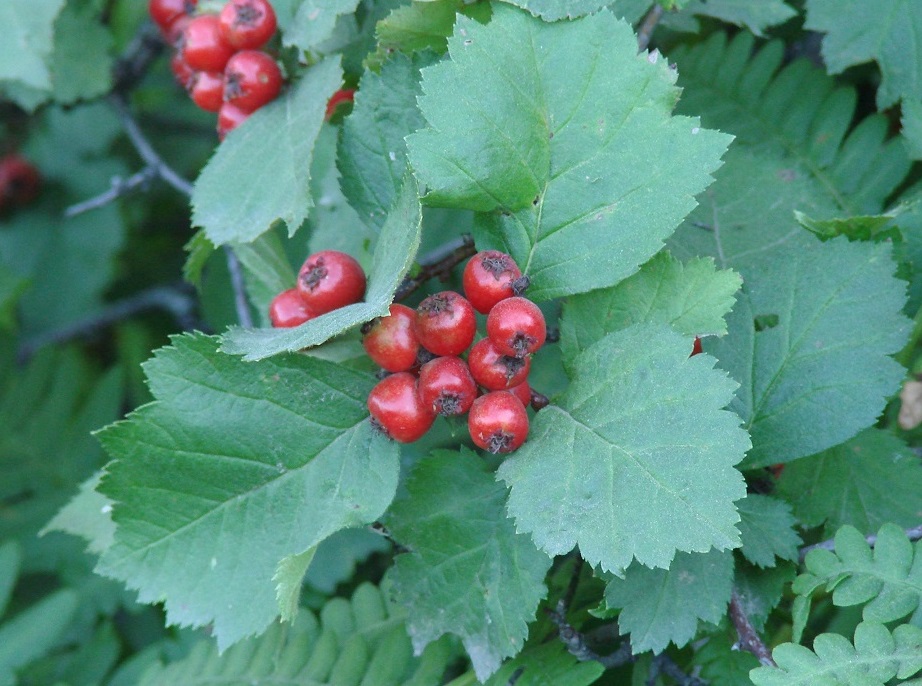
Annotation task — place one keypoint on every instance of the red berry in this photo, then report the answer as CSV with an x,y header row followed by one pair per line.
x,y
495,371
498,422
396,408
390,340
173,34
203,48
288,309
488,279
516,326
696,347
445,323
251,79
522,392
446,386
329,280
19,181
229,118
165,13
207,90
247,24
339,97
181,71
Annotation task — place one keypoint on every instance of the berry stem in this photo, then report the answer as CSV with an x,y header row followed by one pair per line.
x,y
437,264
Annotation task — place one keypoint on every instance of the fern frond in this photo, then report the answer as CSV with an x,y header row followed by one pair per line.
x,y
888,577
796,111
875,657
357,642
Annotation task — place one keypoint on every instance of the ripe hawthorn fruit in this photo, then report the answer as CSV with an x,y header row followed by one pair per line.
x,y
287,309
247,24
445,323
207,90
229,118
498,422
165,13
20,181
329,280
251,79
203,47
516,326
495,371
488,278
446,387
397,410
391,342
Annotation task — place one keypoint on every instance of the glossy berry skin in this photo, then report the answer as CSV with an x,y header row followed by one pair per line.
x,y
523,393
495,371
207,90
445,323
203,48
488,278
696,347
343,95
498,422
20,181
446,386
396,408
247,24
329,280
390,340
287,309
251,79
516,327
165,13
229,118
182,72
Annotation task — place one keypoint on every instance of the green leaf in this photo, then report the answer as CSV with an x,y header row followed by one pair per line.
x,y
10,561
574,179
545,664
886,579
88,515
314,22
878,227
886,31
872,479
199,249
372,153
26,41
11,288
876,657
35,630
761,590
911,122
696,587
637,461
721,664
693,298
423,25
249,184
394,253
553,10
81,68
266,270
338,555
767,530
755,16
289,577
361,640
807,381
468,573
234,467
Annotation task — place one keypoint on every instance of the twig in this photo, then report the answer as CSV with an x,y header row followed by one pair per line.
x,y
576,644
567,598
438,263
244,315
914,534
177,300
516,675
663,664
119,188
131,67
645,32
749,638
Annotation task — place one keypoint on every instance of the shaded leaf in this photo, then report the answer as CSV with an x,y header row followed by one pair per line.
x,y
912,127
553,10
637,461
468,573
314,22
87,515
26,40
549,663
81,68
767,530
755,16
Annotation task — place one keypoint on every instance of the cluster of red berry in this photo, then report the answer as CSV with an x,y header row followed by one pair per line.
x,y
19,181
218,57
327,281
421,349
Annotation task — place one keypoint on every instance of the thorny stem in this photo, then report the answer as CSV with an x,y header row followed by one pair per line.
x,y
914,534
645,32
119,188
749,638
437,264
177,300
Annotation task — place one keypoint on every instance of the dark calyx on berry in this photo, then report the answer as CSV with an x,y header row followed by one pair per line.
x,y
313,275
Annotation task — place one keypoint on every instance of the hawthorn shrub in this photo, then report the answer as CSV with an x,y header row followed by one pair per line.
x,y
189,495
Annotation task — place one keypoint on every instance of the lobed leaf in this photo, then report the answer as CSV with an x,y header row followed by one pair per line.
x,y
26,41
570,181
468,572
314,22
911,125
637,460
233,468
87,515
755,16
663,606
553,10
249,185
875,657
767,530
549,663
394,253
